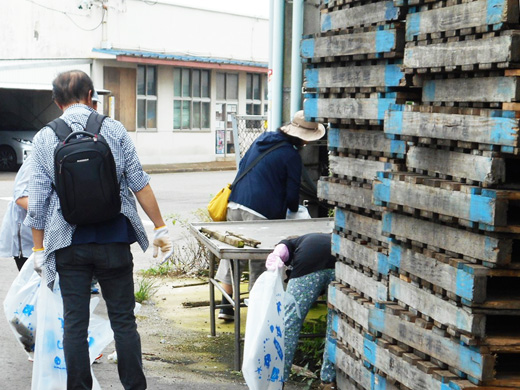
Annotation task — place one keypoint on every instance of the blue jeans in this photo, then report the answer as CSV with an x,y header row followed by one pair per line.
x,y
113,266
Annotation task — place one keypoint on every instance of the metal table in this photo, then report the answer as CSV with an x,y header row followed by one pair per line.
x,y
269,233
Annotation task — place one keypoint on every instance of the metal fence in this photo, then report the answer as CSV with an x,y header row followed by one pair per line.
x,y
246,128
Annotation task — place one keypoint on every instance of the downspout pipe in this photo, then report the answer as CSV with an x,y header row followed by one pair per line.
x,y
296,62
277,66
270,72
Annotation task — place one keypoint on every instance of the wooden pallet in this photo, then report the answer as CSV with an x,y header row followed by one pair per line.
x,y
471,326
343,194
367,226
365,75
425,22
370,256
490,250
470,284
398,325
347,108
361,15
500,129
365,285
493,52
384,43
488,171
353,167
486,209
477,89
362,141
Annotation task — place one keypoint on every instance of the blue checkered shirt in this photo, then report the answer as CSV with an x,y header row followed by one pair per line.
x,y
44,211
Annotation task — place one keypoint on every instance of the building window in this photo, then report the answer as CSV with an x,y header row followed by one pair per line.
x,y
226,106
146,97
191,99
256,94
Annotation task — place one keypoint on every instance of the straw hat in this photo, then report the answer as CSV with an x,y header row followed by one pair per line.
x,y
300,128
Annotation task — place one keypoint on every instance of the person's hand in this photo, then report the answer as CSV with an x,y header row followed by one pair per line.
x,y
273,262
38,258
162,240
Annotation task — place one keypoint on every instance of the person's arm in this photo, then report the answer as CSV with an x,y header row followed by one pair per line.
x,y
23,202
37,238
148,202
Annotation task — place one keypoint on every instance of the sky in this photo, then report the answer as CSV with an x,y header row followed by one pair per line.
x,y
248,7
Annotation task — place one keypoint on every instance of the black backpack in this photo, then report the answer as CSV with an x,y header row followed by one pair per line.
x,y
85,176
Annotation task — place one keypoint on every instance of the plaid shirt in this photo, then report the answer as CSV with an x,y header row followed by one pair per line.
x,y
44,211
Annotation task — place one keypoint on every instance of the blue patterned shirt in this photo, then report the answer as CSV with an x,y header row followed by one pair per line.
x,y
44,211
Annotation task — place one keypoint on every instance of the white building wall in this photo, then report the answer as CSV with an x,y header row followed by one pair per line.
x,y
57,29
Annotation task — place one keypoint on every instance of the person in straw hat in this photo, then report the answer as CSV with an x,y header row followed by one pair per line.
x,y
270,188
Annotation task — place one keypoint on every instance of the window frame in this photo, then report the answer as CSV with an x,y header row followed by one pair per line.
x,y
146,98
203,101
250,99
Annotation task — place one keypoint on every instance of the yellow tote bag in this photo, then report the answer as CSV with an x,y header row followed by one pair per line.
x,y
217,207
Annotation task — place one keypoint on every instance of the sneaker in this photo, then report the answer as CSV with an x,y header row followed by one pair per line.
x,y
327,386
226,314
93,288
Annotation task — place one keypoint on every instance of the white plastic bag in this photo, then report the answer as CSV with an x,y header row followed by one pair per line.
x,y
302,213
20,303
49,370
263,363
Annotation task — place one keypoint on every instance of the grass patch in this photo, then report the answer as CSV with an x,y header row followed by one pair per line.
x,y
146,289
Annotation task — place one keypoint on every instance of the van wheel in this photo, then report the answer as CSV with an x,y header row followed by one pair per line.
x,y
7,159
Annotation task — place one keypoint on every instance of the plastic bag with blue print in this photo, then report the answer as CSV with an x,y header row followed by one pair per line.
x,y
49,369
263,364
19,306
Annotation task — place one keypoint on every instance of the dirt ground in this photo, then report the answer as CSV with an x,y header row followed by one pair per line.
x,y
176,338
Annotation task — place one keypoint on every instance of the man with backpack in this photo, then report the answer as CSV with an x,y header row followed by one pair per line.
x,y
83,217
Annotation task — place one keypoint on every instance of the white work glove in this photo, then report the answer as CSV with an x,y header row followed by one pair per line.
x,y
273,262
38,258
277,257
161,239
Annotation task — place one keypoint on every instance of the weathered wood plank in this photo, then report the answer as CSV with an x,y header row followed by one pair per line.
x,y
346,195
391,365
479,89
360,254
360,16
437,308
347,305
479,246
347,108
348,221
460,16
354,76
355,167
480,206
458,281
368,140
470,128
469,52
487,170
461,357
377,291
354,368
371,42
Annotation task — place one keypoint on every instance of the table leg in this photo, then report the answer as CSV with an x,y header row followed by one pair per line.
x,y
236,297
212,294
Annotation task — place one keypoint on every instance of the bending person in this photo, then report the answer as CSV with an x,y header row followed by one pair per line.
x,y
311,269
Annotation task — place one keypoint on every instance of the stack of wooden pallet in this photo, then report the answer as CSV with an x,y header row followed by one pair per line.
x,y
428,280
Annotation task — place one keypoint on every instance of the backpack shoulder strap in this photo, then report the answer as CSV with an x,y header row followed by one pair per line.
x,y
61,128
94,122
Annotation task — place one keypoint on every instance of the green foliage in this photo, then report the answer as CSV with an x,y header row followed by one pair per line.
x,y
309,353
146,289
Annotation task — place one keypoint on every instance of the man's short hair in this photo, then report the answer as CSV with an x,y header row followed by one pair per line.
x,y
71,87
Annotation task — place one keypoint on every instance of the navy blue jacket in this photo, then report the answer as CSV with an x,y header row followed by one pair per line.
x,y
273,185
